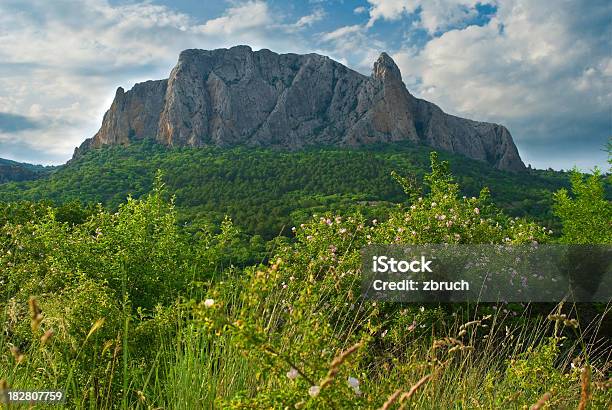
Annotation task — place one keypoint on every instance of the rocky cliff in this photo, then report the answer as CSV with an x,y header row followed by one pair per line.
x,y
237,96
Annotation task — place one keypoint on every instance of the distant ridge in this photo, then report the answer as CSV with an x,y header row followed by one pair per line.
x,y
230,97
17,171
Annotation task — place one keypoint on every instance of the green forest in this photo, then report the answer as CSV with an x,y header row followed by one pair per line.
x,y
266,192
141,277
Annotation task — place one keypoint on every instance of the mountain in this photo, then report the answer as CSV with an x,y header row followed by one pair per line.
x,y
240,97
18,171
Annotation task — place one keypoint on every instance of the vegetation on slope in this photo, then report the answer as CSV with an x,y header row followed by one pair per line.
x,y
18,171
129,309
266,190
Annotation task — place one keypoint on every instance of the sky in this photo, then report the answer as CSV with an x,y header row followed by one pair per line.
x,y
543,69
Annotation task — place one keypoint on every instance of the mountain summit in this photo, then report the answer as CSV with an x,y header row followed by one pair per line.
x,y
238,96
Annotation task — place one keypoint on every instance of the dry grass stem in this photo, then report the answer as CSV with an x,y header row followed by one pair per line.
x,y
540,403
585,387
337,362
406,396
392,399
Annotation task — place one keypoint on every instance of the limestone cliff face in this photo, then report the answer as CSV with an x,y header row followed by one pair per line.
x,y
236,96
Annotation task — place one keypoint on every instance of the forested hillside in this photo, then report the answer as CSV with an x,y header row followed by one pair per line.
x,y
18,171
264,190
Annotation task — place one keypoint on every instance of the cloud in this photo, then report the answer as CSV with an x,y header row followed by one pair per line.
x,y
310,19
434,15
243,17
16,122
354,42
540,70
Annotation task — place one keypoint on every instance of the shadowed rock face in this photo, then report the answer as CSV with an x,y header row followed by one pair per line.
x,y
236,96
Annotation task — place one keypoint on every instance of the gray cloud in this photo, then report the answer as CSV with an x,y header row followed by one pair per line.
x,y
16,123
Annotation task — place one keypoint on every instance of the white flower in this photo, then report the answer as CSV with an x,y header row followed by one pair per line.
x,y
476,211
209,303
314,391
293,374
343,230
354,384
422,308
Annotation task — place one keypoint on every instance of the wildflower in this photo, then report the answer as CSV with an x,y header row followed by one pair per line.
x,y
433,204
354,384
343,230
209,303
293,373
374,221
293,229
422,308
309,237
314,391
477,211
328,221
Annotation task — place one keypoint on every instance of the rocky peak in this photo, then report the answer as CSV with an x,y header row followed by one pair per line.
x,y
385,69
238,96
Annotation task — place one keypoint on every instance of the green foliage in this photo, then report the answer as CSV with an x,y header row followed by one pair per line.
x,y
587,216
210,183
84,273
134,308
